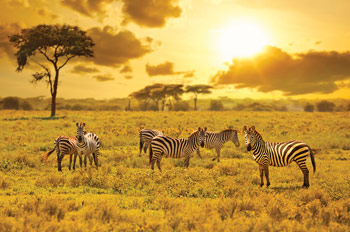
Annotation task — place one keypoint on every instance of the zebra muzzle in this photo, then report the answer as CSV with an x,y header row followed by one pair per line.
x,y
202,144
249,147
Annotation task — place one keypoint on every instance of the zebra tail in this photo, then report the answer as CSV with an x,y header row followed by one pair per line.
x,y
312,159
47,154
150,154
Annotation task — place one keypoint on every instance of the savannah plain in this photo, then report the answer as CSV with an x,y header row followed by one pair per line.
x,y
125,195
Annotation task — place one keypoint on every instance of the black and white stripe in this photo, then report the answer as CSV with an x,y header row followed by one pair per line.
x,y
174,148
146,136
87,144
64,146
278,154
218,139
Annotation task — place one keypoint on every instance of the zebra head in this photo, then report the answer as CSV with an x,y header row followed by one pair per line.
x,y
202,135
234,138
250,137
80,132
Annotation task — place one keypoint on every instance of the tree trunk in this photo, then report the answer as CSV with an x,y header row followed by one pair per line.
x,y
195,103
54,94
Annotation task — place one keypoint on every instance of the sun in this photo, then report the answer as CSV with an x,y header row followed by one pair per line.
x,y
240,39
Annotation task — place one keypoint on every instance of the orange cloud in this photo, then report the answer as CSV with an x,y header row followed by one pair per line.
x,y
126,69
87,7
150,13
84,69
115,49
274,69
5,31
105,77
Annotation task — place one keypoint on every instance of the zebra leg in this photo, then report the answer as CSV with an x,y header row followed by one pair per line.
x,y
85,156
59,159
95,159
152,164
218,153
90,159
158,164
261,170
187,161
305,171
266,170
199,154
80,161
146,147
75,158
141,145
70,161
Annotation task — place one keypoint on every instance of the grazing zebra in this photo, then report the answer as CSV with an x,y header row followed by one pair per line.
x,y
175,148
277,154
217,139
146,136
87,144
64,146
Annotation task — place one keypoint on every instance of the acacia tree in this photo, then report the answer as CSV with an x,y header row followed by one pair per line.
x,y
198,89
50,45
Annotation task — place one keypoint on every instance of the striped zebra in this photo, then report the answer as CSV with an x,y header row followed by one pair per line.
x,y
87,144
218,139
175,148
146,136
277,154
64,146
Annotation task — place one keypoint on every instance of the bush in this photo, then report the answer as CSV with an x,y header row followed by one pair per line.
x,y
309,108
26,105
181,106
11,103
325,106
216,105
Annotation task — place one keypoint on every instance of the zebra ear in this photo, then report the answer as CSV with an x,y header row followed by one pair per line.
x,y
205,128
244,128
83,123
199,129
253,128
77,124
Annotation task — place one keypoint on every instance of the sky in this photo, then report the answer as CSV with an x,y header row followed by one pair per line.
x,y
267,49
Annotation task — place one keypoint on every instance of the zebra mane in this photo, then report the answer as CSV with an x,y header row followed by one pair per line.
x,y
257,134
228,130
194,132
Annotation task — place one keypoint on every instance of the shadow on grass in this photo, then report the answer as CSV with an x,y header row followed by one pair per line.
x,y
283,188
27,118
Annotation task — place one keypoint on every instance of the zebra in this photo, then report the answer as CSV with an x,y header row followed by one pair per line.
x,y
277,154
64,146
146,136
175,148
87,144
217,139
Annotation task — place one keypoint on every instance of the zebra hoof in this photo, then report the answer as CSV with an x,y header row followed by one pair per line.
x,y
305,186
262,184
267,185
213,159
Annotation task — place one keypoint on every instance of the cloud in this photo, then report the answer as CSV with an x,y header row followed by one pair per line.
x,y
274,69
84,69
46,13
5,30
150,13
115,49
189,74
166,69
317,42
128,77
19,3
105,77
89,8
126,69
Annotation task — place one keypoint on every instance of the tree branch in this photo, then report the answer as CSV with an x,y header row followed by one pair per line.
x,y
46,56
69,58
47,71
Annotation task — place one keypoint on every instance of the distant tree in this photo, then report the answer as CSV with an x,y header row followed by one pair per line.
x,y
181,106
198,89
325,106
11,103
57,44
25,105
173,92
309,108
216,105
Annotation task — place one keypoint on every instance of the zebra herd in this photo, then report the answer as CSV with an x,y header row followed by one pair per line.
x,y
264,153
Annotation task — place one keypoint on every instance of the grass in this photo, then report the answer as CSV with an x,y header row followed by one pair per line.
x,y
125,195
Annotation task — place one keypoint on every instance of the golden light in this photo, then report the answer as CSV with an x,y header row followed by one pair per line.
x,y
240,39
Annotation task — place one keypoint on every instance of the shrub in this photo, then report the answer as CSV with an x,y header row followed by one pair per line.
x,y
325,106
11,103
26,105
309,108
216,105
181,106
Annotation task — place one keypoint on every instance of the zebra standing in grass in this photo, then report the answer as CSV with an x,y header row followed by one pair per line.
x,y
87,144
64,146
217,139
176,148
277,154
146,136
